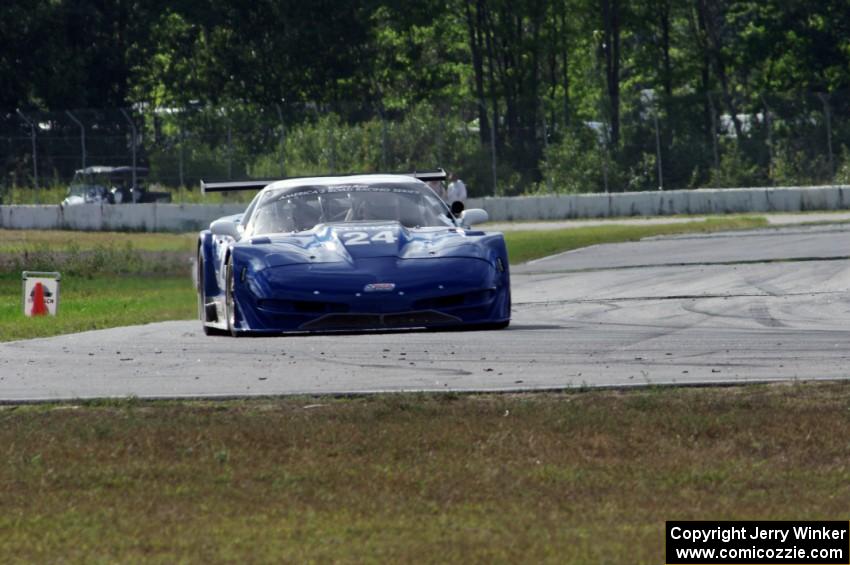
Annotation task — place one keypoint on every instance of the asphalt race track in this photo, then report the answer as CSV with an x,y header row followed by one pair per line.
x,y
750,306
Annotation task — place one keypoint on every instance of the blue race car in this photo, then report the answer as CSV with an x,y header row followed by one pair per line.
x,y
350,253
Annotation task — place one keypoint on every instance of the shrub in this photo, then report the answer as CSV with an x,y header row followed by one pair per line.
x,y
577,163
736,170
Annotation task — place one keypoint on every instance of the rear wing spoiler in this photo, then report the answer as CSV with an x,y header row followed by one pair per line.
x,y
257,184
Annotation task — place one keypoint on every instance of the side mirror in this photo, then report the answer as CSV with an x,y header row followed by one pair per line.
x,y
457,208
226,227
473,216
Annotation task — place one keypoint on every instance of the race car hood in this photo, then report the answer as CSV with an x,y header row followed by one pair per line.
x,y
352,241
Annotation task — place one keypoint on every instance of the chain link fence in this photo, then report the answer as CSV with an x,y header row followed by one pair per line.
x,y
658,142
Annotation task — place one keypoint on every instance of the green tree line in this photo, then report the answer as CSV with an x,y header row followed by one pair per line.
x,y
564,95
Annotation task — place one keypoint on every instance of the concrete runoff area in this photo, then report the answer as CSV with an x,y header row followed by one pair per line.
x,y
764,305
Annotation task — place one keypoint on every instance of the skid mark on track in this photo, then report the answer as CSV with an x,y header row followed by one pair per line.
x,y
756,312
612,300
761,314
694,309
521,271
765,286
607,300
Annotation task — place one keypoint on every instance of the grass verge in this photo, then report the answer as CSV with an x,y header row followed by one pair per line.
x,y
98,303
585,477
108,280
21,241
118,279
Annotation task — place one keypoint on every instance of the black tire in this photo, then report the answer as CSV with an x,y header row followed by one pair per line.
x,y
231,312
488,326
202,314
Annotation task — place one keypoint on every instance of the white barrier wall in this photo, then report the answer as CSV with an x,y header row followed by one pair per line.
x,y
662,203
194,217
116,217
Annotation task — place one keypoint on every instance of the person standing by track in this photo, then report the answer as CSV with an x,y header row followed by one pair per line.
x,y
456,191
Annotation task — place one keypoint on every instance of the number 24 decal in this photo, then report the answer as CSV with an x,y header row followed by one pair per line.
x,y
363,238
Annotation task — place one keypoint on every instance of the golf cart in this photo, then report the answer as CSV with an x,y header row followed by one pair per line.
x,y
112,185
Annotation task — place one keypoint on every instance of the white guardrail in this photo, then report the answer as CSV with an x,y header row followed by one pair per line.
x,y
116,217
193,217
664,203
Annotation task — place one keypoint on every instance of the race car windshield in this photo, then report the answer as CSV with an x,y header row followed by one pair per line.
x,y
301,208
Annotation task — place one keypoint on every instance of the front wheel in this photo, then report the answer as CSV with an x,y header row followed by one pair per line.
x,y
202,300
231,311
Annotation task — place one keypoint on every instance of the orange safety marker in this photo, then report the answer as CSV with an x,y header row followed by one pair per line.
x,y
41,293
39,308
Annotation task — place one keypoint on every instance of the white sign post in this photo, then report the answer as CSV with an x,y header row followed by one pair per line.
x,y
41,293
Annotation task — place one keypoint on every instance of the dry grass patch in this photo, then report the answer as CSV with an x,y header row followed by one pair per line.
x,y
16,241
581,477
